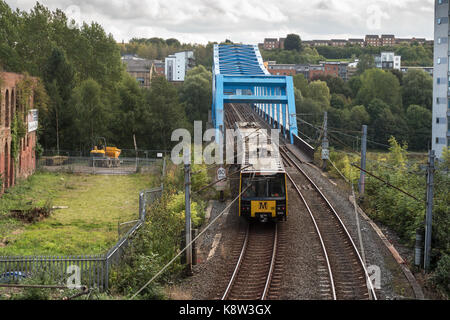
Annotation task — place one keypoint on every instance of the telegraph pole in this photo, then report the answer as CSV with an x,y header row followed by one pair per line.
x,y
362,177
429,213
187,184
325,142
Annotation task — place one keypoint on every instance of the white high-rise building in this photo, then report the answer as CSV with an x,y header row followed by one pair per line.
x,y
441,78
178,64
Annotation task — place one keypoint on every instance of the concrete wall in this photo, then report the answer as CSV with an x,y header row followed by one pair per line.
x,y
25,165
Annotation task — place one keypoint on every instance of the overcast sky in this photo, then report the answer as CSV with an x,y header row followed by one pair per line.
x,y
249,21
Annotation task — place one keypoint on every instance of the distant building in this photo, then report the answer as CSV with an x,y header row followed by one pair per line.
x,y
303,69
178,64
316,70
281,43
356,42
271,43
282,69
318,43
387,40
372,40
338,42
441,90
388,61
351,72
139,69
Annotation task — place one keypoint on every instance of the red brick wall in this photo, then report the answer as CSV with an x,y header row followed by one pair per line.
x,y
26,164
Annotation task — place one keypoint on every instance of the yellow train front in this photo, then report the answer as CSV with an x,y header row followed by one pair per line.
x,y
263,197
262,188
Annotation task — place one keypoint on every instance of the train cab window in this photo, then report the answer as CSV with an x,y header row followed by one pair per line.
x,y
264,187
277,187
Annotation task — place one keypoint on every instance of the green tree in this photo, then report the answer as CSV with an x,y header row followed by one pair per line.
x,y
318,91
196,94
90,114
301,83
59,80
418,89
419,121
166,112
366,62
376,83
293,42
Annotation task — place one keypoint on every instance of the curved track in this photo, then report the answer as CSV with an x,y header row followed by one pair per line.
x,y
346,271
348,275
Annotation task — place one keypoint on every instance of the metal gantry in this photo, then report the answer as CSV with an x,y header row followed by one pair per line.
x,y
239,76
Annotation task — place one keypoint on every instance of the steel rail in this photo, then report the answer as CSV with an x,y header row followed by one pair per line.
x,y
272,265
325,253
369,284
238,265
241,259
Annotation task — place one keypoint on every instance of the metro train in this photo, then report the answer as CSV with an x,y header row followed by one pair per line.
x,y
263,186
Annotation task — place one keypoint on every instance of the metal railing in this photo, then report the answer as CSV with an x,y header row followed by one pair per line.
x,y
88,165
93,269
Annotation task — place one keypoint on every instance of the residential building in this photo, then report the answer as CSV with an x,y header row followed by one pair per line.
x,y
441,78
388,61
303,69
139,69
271,43
356,42
282,69
316,70
318,43
351,72
338,42
178,64
372,40
387,40
25,164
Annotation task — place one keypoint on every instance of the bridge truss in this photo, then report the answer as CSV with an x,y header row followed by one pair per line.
x,y
239,76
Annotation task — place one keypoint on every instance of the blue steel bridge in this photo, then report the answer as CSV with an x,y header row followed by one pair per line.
x,y
239,76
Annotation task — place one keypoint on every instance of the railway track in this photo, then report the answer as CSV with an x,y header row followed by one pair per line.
x,y
347,273
255,276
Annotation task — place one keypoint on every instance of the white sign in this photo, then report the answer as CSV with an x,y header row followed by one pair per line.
x,y
325,154
159,155
32,120
221,173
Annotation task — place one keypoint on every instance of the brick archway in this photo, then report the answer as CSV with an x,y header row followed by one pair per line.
x,y
5,177
7,111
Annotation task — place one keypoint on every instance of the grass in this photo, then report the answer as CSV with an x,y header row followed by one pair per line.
x,y
88,226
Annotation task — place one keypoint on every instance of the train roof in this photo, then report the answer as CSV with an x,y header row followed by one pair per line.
x,y
264,157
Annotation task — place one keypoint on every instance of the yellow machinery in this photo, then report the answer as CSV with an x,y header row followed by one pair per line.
x,y
106,157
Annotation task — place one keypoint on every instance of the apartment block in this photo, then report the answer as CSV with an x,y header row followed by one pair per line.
x,y
178,64
441,78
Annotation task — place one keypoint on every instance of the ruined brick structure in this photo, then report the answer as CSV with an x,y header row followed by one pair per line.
x,y
25,165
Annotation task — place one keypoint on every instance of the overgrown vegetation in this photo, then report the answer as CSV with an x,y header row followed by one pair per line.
x,y
402,213
159,239
89,224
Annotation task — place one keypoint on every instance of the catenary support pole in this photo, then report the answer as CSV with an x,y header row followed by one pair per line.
x,y
187,184
325,142
362,177
429,213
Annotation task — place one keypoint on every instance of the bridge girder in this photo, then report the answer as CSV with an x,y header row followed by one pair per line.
x,y
239,76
